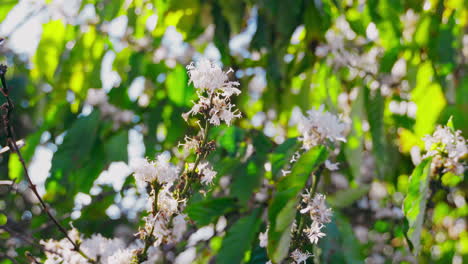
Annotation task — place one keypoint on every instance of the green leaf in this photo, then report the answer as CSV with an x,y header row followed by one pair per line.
x,y
340,245
177,86
247,177
75,151
282,209
230,138
49,50
5,8
116,147
345,198
282,155
375,114
239,238
414,204
3,219
208,211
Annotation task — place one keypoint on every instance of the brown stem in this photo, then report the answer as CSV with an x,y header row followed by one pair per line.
x,y
11,142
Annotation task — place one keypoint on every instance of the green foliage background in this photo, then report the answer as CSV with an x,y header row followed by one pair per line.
x,y
50,91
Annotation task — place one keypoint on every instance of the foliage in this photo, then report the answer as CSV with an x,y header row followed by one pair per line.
x,y
392,70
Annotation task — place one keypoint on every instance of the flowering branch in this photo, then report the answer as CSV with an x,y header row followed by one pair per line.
x,y
7,109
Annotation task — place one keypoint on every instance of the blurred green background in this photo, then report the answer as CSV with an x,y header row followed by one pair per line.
x,y
392,69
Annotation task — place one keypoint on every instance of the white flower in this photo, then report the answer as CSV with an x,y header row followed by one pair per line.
x,y
300,257
122,256
263,238
331,166
202,234
186,257
317,208
158,224
154,255
165,171
144,171
314,232
96,97
166,202
190,143
216,106
318,126
179,226
209,77
448,149
207,171
221,110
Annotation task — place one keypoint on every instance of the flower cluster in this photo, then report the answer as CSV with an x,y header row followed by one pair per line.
x,y
160,171
319,214
108,251
214,91
98,98
300,257
448,150
319,126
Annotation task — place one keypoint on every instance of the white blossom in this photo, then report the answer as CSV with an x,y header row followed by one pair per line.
x,y
263,238
316,207
165,171
300,257
331,166
447,148
122,256
96,97
202,234
285,172
318,126
216,106
186,257
154,254
144,171
179,226
166,202
314,232
208,76
207,173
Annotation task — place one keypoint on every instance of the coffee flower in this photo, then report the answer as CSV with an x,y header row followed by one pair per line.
x,y
214,93
160,170
448,150
314,232
207,76
300,257
318,126
207,173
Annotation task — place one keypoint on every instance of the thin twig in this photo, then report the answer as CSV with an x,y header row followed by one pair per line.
x,y
7,109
